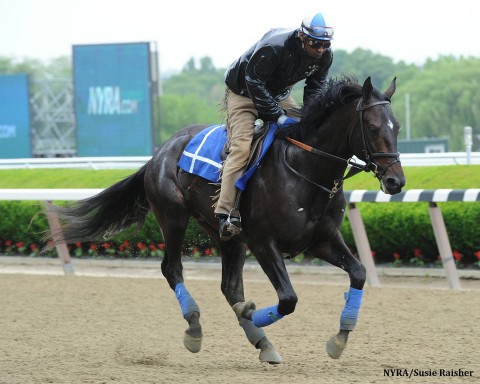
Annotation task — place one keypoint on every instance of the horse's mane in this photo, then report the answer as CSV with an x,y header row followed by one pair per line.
x,y
336,92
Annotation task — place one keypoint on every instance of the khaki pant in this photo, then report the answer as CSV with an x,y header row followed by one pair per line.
x,y
241,116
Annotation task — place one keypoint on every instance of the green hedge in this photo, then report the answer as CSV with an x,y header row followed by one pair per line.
x,y
406,229
403,229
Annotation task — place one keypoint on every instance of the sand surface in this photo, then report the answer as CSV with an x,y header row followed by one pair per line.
x,y
125,326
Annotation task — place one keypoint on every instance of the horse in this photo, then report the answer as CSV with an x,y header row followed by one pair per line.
x,y
294,203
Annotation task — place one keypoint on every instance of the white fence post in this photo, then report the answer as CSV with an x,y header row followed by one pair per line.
x,y
443,244
62,248
363,246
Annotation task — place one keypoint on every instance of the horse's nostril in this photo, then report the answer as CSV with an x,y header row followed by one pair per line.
x,y
393,185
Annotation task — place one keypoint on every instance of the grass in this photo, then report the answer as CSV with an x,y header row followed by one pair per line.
x,y
445,176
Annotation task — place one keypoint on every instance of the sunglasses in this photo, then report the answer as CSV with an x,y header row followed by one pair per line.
x,y
315,44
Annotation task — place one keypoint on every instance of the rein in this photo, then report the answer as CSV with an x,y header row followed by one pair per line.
x,y
370,165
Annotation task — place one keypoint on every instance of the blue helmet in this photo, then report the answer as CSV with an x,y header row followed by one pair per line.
x,y
316,27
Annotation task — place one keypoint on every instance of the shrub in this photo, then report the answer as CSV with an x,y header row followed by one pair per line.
x,y
397,232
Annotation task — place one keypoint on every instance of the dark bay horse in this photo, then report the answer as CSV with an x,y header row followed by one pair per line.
x,y
293,204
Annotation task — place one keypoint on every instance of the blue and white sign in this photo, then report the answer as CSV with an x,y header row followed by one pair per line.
x,y
113,99
15,140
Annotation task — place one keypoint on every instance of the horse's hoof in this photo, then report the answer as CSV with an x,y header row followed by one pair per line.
x,y
193,344
335,347
270,355
244,309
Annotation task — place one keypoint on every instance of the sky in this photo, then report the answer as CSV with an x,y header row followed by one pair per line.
x,y
408,30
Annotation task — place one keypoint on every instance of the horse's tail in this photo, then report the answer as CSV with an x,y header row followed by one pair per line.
x,y
111,211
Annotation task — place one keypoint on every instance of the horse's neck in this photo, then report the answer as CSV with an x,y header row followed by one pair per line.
x,y
333,135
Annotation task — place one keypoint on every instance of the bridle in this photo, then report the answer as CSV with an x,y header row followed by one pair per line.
x,y
370,164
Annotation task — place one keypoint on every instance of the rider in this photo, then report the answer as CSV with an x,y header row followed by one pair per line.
x,y
258,86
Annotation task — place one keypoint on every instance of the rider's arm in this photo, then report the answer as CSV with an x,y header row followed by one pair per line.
x,y
317,80
260,67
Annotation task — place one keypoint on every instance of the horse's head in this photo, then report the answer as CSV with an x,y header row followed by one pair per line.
x,y
374,140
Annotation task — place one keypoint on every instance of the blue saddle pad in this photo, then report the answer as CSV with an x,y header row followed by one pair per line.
x,y
201,156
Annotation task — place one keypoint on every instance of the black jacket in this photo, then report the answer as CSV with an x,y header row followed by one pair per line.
x,y
267,71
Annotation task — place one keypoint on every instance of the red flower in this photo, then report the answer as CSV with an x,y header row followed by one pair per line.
x,y
141,246
19,244
78,244
153,247
33,247
457,255
418,253
208,252
374,254
396,255
126,243
161,246
477,255
93,247
8,243
106,245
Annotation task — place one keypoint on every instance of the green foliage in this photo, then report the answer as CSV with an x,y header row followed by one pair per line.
x,y
205,83
21,221
381,68
178,111
443,99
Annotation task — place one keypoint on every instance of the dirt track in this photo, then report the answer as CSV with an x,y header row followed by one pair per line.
x,y
83,329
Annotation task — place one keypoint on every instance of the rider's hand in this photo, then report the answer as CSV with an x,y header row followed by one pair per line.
x,y
285,120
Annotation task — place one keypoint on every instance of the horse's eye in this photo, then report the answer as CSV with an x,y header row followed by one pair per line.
x,y
374,131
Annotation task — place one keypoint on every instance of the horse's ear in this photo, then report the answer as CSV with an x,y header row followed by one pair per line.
x,y
391,90
367,88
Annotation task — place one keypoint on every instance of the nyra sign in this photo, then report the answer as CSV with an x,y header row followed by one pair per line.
x,y
108,101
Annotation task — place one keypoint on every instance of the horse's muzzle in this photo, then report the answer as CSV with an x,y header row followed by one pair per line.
x,y
392,184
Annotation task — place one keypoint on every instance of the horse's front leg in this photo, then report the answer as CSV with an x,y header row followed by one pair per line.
x,y
271,261
233,260
337,253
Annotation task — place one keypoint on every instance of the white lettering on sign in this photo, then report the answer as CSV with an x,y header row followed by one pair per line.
x,y
7,131
108,101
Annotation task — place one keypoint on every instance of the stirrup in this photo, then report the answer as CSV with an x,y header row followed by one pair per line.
x,y
229,226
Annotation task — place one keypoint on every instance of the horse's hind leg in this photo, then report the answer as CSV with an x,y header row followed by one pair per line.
x,y
338,254
233,260
173,229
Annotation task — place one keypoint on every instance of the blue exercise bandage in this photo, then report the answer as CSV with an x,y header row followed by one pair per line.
x,y
266,316
185,299
348,320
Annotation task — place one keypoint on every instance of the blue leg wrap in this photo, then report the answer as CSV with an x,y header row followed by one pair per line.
x,y
266,316
348,320
185,299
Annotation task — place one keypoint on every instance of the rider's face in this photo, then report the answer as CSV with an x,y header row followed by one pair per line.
x,y
314,47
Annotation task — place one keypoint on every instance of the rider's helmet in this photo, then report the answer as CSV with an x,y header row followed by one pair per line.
x,y
316,27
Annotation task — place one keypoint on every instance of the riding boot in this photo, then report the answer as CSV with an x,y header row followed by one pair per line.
x,y
229,226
